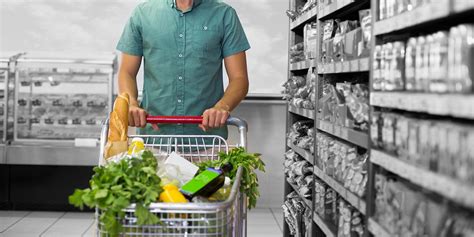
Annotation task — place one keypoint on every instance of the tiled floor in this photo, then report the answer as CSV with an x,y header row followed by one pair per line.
x,y
261,223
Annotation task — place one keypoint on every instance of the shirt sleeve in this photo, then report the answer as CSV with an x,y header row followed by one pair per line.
x,y
235,40
131,40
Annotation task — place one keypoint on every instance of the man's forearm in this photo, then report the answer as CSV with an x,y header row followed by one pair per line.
x,y
128,84
234,94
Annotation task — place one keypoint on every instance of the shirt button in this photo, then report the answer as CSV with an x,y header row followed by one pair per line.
x,y
181,14
180,55
205,27
181,35
180,78
179,101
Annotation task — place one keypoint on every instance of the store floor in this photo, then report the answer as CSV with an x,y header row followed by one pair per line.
x,y
262,223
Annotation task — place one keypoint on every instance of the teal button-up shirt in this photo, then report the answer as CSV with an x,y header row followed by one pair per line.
x,y
183,53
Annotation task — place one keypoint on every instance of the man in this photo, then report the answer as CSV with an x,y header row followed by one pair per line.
x,y
183,43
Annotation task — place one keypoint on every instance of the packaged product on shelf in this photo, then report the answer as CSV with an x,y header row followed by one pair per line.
x,y
402,137
413,141
319,197
329,28
465,47
458,224
382,10
390,8
388,131
302,127
297,53
351,42
375,129
421,73
426,149
344,223
330,206
365,17
310,33
439,62
388,82
410,62
398,66
377,69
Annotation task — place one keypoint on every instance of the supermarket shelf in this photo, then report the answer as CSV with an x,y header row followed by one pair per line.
x,y
460,6
306,201
302,152
303,65
376,229
328,230
450,188
355,137
339,6
428,12
307,113
459,105
356,65
304,18
351,198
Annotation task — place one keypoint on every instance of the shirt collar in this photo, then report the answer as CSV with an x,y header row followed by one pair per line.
x,y
172,3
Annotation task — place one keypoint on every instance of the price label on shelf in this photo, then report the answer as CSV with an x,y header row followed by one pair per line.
x,y
330,68
354,66
338,67
346,66
344,133
364,64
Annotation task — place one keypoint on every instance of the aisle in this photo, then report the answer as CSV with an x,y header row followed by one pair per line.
x,y
262,223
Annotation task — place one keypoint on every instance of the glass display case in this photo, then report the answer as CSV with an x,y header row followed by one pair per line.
x,y
4,69
62,97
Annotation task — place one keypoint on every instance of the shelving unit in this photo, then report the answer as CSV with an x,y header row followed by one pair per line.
x,y
453,195
307,113
355,137
302,152
457,191
376,229
356,65
460,106
306,201
434,10
305,17
303,65
327,229
354,200
331,73
296,35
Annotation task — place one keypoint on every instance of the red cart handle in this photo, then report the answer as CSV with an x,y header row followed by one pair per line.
x,y
174,119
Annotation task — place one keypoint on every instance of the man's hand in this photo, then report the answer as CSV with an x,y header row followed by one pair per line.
x,y
214,118
136,116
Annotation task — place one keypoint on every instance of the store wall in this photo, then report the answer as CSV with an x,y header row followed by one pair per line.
x,y
266,136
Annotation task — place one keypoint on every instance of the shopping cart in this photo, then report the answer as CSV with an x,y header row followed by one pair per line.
x,y
227,218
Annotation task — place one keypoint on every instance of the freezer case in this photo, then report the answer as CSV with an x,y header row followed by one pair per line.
x,y
60,104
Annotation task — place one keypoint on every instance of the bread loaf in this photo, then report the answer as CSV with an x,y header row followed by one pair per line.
x,y
118,127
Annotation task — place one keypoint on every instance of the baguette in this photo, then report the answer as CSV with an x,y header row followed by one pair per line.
x,y
118,127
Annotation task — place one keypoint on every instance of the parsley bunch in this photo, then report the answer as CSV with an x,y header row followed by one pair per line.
x,y
115,186
250,162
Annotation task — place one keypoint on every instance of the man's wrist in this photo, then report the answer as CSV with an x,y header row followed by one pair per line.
x,y
222,106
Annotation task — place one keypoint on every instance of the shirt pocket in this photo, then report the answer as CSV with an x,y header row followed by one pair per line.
x,y
206,41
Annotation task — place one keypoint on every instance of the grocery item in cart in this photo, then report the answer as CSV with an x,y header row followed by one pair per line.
x,y
171,194
118,127
207,182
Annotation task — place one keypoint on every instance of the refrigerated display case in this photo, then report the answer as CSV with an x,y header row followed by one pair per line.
x,y
59,106
4,76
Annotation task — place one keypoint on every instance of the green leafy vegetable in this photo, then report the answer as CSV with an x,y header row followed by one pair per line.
x,y
249,162
115,186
